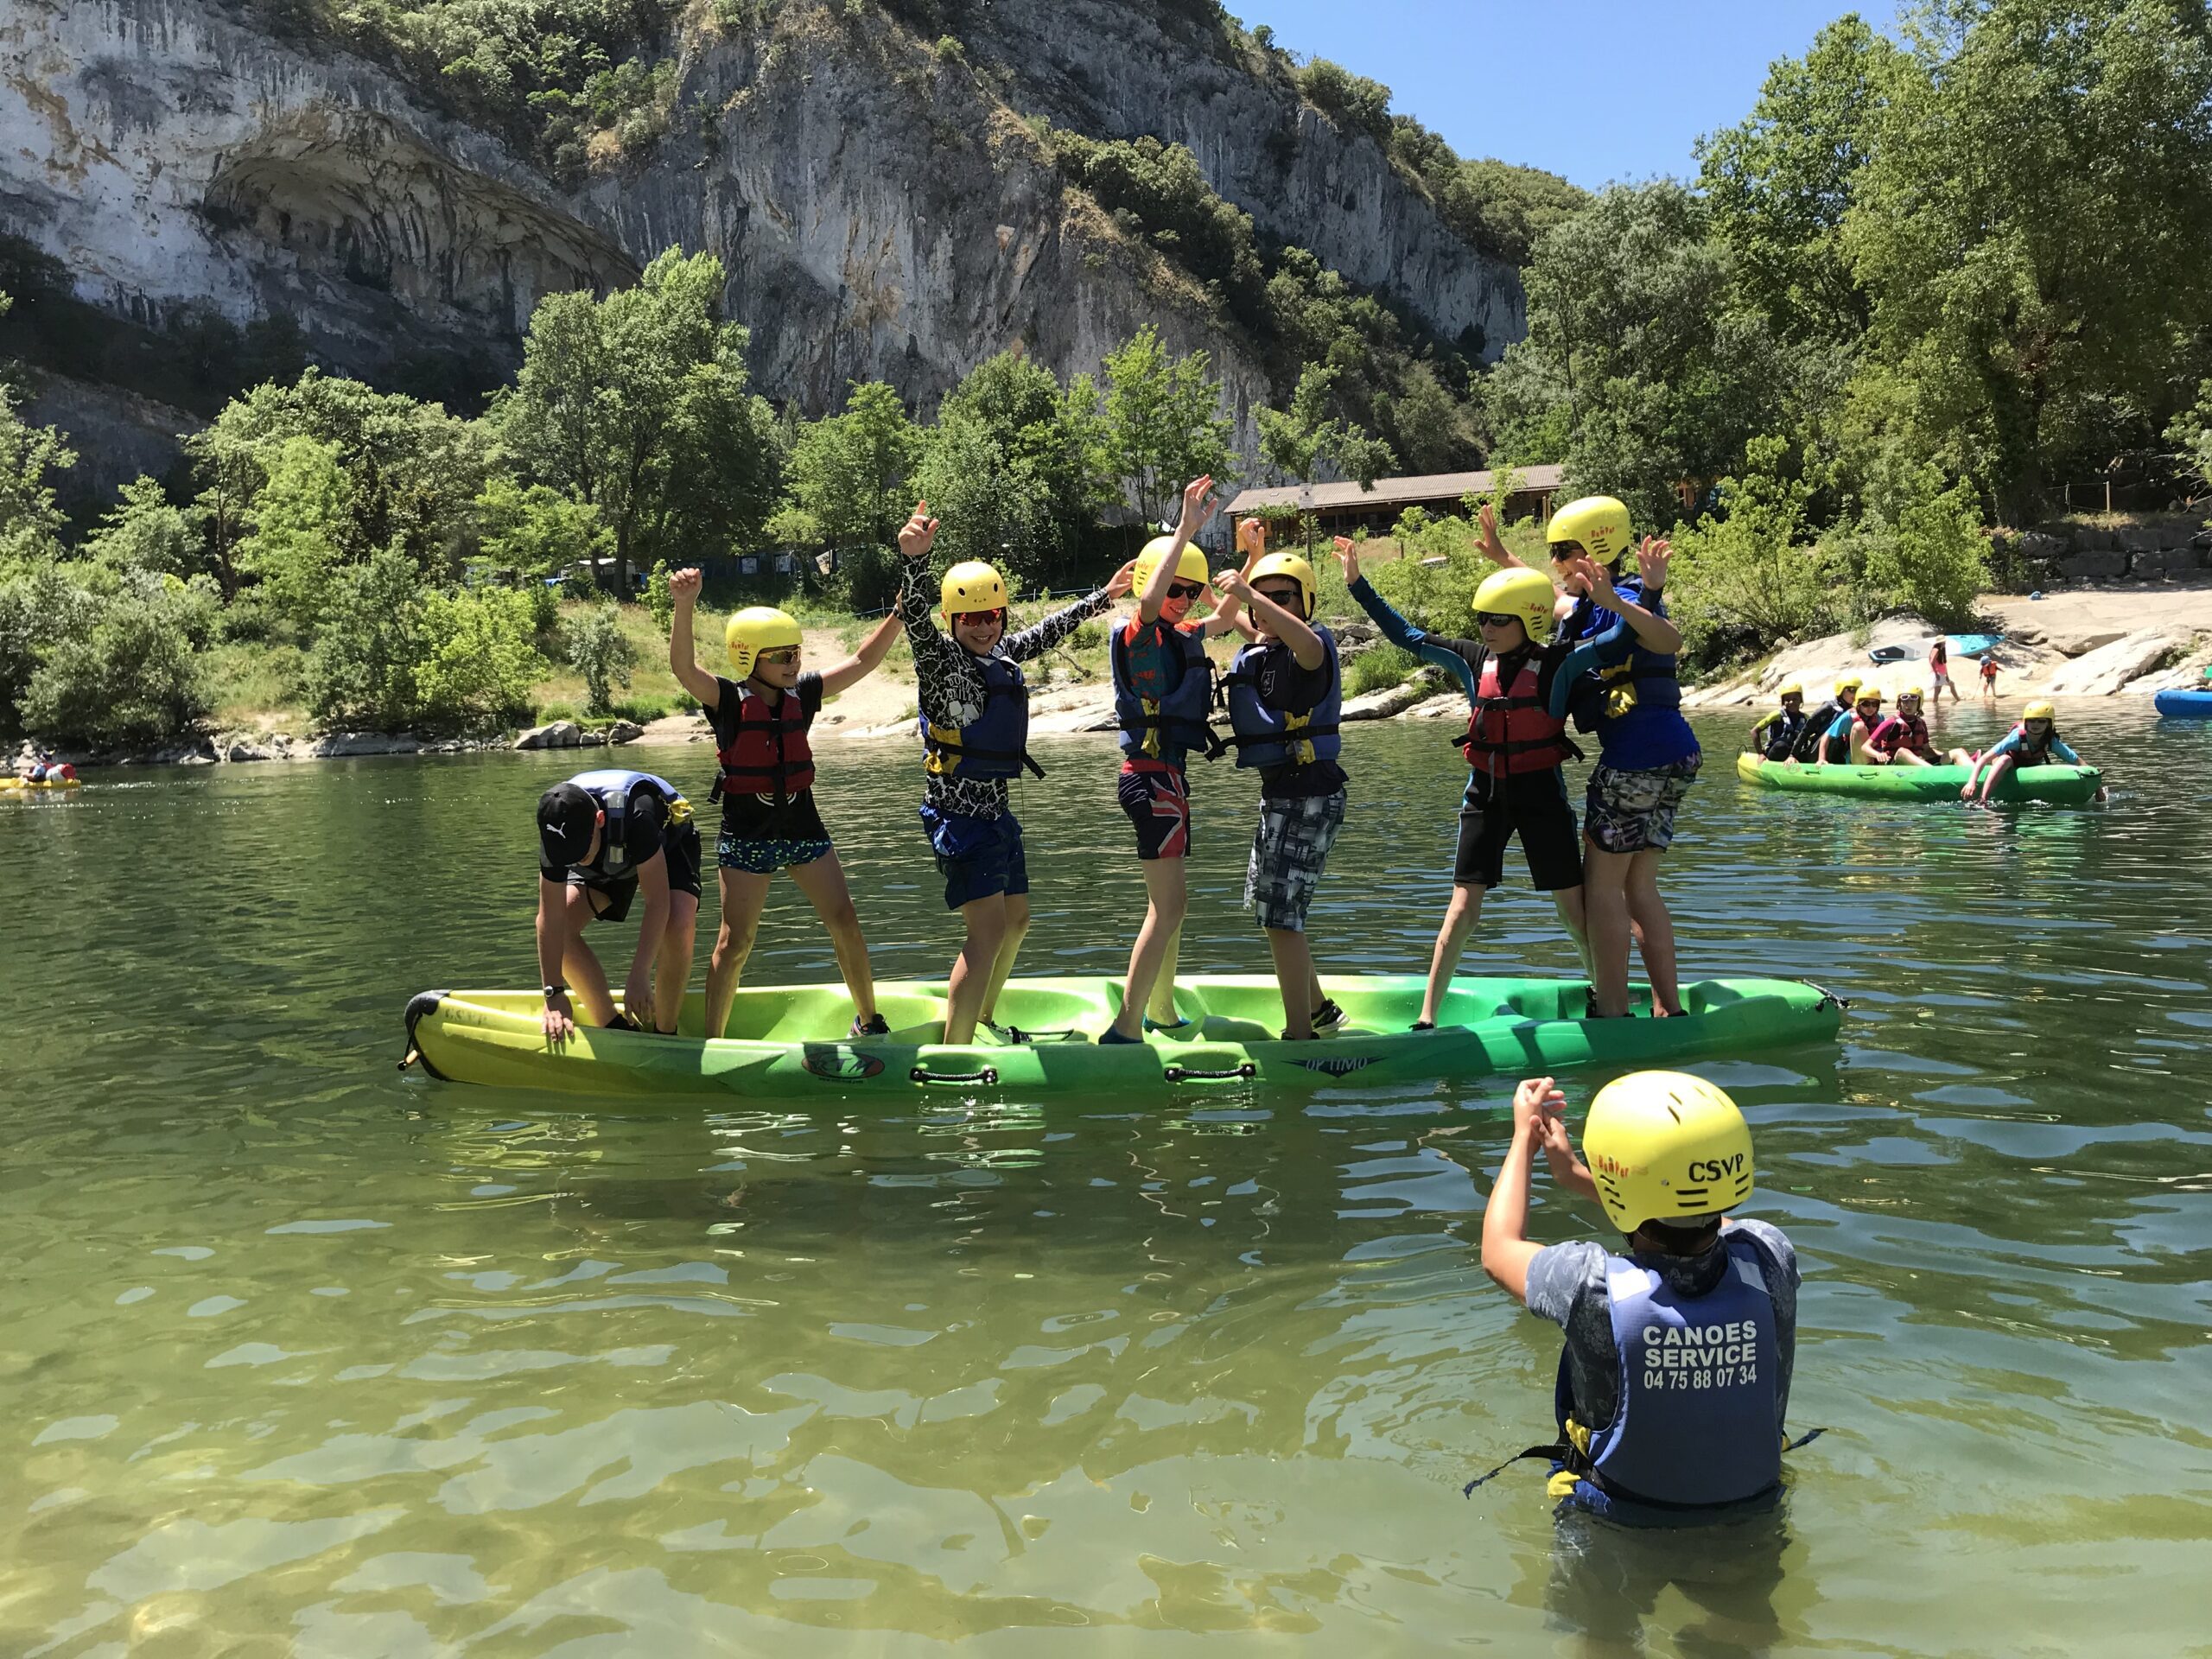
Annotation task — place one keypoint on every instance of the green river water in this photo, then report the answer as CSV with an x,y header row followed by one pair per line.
x,y
303,1356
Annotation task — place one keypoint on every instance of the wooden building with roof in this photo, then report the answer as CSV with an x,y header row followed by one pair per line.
x,y
1341,509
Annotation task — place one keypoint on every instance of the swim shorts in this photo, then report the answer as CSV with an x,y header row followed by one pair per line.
x,y
765,857
1288,850
1634,811
1536,808
977,856
1159,805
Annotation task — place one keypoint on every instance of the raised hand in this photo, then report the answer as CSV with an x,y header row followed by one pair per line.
x,y
1534,1101
1232,582
1251,540
1595,581
1122,581
918,534
1199,503
683,585
1651,558
1493,547
1348,559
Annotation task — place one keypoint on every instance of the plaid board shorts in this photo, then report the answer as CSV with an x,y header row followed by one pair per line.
x,y
1288,849
1634,811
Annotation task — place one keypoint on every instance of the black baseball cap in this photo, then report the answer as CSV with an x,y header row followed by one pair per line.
x,y
566,817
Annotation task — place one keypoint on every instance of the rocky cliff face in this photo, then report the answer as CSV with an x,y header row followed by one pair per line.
x,y
882,214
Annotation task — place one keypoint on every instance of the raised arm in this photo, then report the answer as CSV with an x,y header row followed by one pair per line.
x,y
1042,635
1398,632
1653,632
916,539
1306,646
865,661
1198,504
1491,546
1507,1250
683,661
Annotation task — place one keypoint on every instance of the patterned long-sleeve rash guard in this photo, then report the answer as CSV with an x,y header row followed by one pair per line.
x,y
951,686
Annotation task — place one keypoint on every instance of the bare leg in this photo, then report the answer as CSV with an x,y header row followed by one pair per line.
x,y
1656,931
1568,902
1161,1005
672,971
1295,974
1017,928
580,963
1604,897
823,883
971,975
1460,918
1152,959
744,891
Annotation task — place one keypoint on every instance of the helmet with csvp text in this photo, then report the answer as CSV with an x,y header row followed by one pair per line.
x,y
1599,523
1666,1146
1522,592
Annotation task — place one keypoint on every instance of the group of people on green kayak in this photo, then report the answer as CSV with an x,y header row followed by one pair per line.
x,y
1852,731
1588,641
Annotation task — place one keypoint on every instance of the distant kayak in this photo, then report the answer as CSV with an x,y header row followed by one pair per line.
x,y
2059,786
25,784
2184,704
788,1044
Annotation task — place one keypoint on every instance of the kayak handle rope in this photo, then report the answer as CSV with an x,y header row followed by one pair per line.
x,y
424,1002
1828,995
1190,1074
989,1074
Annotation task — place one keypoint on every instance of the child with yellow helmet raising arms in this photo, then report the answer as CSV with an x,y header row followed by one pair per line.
x,y
1674,1381
766,785
975,720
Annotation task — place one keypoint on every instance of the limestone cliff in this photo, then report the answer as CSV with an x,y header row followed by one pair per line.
x,y
883,213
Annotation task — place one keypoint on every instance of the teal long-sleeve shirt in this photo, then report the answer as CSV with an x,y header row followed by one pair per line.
x,y
1563,663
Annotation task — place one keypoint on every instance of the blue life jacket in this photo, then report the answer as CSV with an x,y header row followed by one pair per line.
x,y
1270,736
1694,1431
614,788
1161,696
995,743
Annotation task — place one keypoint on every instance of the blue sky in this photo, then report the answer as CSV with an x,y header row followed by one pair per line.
x,y
1507,78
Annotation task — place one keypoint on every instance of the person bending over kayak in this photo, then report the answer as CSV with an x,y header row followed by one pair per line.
x,y
2034,743
1285,691
1692,1293
1163,688
766,785
603,838
1903,740
1774,737
1515,744
1845,744
1812,742
975,722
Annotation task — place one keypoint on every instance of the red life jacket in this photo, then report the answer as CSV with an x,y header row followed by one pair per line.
x,y
768,754
1899,732
1510,730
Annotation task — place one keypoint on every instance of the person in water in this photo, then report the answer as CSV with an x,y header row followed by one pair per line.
x,y
766,784
1989,676
1812,742
1680,1343
1285,691
975,727
1847,736
2034,743
1774,737
604,838
1516,743
1163,688
1939,666
1902,739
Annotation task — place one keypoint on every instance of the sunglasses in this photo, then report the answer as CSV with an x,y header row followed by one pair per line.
x,y
783,656
1186,590
980,619
1494,619
1289,598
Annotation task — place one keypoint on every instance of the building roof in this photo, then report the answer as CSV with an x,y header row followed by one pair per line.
x,y
1394,492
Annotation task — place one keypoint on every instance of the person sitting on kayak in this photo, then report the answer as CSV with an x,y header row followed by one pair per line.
x,y
1812,742
975,722
1939,664
1778,734
1693,1294
2034,743
1903,740
1846,743
1285,689
604,837
1163,688
766,785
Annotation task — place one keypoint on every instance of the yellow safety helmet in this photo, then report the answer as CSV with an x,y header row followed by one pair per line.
x,y
1525,593
1191,567
1598,522
1870,694
1792,690
2039,709
1911,691
971,585
1293,565
1665,1145
755,629
1848,683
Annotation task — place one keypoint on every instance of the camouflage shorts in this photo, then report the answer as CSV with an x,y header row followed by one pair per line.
x,y
1634,811
1288,850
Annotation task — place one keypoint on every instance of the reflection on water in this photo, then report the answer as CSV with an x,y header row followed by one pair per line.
x,y
310,1358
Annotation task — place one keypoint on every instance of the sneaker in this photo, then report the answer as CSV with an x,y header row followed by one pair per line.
x,y
1423,1025
1312,1036
1328,1015
875,1026
1151,1024
1110,1035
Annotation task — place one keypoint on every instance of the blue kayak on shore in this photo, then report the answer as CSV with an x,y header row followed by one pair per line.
x,y
2184,704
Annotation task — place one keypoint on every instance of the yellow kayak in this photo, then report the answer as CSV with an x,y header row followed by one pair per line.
x,y
43,783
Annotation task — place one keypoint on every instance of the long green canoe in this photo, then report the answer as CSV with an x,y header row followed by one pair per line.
x,y
787,1044
2060,786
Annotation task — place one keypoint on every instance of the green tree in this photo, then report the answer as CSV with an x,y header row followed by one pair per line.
x,y
126,669
476,662
636,405
360,672
849,471
594,644
1164,424
143,531
991,505
1309,435
298,516
537,532
30,519
1748,578
1047,438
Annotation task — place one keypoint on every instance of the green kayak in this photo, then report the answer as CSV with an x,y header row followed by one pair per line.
x,y
787,1044
2059,786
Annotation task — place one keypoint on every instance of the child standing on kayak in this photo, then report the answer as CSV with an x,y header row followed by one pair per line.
x,y
1163,688
2034,743
770,822
1285,691
975,717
